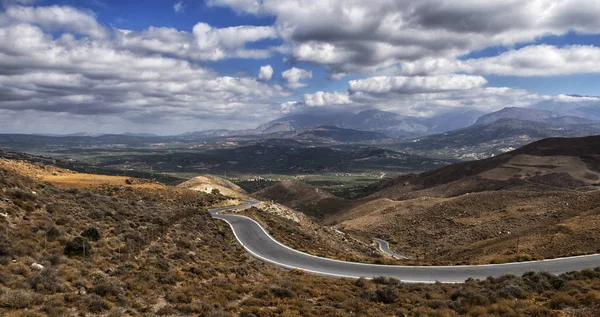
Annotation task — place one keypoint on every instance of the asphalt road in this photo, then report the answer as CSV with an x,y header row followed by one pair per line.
x,y
261,245
384,246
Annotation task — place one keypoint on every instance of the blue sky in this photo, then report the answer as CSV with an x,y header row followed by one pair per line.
x,y
176,66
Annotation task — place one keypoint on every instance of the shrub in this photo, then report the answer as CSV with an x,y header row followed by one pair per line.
x,y
96,304
46,280
561,300
386,295
91,233
361,282
215,191
386,280
16,193
78,246
281,292
52,233
19,299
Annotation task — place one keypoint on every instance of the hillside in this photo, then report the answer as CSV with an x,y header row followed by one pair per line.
x,y
567,163
118,250
541,200
388,123
331,133
310,200
533,115
495,138
208,183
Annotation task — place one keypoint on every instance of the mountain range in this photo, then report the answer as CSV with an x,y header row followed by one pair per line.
x,y
389,123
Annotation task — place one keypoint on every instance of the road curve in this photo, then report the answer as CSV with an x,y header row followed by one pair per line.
x,y
261,245
384,246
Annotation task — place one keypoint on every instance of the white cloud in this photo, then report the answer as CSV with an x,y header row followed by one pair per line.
x,y
265,73
126,81
538,60
321,98
366,36
219,43
204,43
58,18
533,60
294,75
416,84
179,7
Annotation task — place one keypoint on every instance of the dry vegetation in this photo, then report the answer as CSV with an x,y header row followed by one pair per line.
x,y
125,251
208,183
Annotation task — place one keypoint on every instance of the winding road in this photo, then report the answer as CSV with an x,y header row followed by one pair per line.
x,y
261,245
384,246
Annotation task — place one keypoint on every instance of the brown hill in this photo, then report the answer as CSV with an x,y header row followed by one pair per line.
x,y
310,200
541,199
561,163
207,183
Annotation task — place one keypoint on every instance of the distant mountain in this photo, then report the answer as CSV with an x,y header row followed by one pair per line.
x,y
451,121
139,134
489,139
208,134
338,134
389,123
306,120
534,115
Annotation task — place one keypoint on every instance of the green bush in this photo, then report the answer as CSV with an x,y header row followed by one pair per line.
x,y
387,294
91,233
78,246
561,301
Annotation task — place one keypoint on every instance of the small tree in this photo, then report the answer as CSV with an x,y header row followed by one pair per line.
x,y
215,191
91,233
78,246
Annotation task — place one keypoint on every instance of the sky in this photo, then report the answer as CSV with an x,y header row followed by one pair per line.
x,y
169,67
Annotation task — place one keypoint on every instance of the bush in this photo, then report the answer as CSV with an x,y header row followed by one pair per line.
x,y
46,281
561,300
96,304
19,299
215,191
78,246
91,233
361,282
386,295
52,233
281,292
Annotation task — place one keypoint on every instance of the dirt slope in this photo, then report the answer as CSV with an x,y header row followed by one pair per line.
x,y
312,201
206,183
556,162
542,199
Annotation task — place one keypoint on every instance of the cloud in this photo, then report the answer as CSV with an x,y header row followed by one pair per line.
x,y
294,75
204,43
179,7
364,37
321,98
532,60
58,18
538,60
416,84
122,81
265,73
